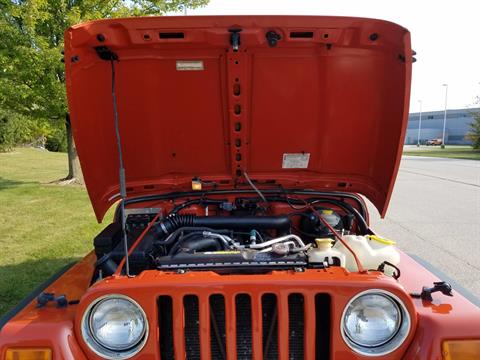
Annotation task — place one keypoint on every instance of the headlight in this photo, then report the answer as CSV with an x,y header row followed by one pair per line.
x,y
375,322
115,327
372,319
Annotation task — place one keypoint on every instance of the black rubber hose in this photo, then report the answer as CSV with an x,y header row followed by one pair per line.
x,y
171,223
281,222
362,224
199,194
196,237
202,244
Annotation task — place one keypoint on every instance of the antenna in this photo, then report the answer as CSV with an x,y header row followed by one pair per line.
x,y
121,168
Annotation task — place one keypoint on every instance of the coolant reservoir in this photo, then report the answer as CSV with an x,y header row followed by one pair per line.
x,y
325,253
371,251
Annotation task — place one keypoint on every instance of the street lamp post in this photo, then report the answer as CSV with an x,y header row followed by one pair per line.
x,y
444,116
419,123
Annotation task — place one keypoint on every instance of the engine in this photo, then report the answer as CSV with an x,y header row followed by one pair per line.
x,y
242,235
233,242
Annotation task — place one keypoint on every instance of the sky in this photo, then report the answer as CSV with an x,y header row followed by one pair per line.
x,y
445,35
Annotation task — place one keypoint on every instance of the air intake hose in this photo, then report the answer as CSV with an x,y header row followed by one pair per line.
x,y
170,224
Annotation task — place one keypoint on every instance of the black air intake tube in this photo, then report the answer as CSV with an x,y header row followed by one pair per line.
x,y
170,224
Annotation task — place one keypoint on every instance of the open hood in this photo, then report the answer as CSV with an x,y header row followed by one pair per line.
x,y
301,101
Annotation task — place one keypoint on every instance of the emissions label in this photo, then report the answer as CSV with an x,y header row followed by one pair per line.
x,y
188,65
295,161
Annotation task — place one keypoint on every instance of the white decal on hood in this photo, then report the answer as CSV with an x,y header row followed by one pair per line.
x,y
187,65
295,161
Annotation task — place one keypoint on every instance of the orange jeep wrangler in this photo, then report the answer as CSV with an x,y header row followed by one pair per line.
x,y
236,149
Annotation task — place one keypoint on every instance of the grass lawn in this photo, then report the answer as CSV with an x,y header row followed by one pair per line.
x,y
42,226
458,152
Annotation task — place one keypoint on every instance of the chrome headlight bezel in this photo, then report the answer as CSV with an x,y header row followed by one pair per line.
x,y
100,349
395,341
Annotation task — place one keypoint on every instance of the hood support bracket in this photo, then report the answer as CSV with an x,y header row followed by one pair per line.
x,y
235,39
237,115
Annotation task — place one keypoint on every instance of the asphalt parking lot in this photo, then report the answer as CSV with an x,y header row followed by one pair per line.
x,y
434,213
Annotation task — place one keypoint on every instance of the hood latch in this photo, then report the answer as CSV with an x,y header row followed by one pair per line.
x,y
426,294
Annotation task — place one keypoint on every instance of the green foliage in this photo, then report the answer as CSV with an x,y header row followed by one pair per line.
x,y
7,132
474,133
56,141
451,151
17,129
31,32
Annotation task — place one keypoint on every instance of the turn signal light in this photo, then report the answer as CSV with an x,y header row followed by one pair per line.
x,y
461,349
29,354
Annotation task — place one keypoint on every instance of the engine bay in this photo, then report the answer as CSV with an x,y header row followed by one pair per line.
x,y
240,234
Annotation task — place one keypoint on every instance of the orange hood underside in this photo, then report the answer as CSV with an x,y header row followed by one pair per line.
x,y
324,107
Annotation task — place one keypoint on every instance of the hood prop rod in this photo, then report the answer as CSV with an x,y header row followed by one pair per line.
x,y
121,168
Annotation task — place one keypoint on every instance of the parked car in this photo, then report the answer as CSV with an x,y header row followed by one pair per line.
x,y
235,150
434,142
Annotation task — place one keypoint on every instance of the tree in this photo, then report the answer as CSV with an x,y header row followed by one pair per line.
x,y
474,133
31,73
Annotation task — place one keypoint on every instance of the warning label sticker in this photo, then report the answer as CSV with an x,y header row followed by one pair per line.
x,y
295,161
187,65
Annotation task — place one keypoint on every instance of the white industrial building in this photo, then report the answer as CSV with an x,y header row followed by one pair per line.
x,y
431,126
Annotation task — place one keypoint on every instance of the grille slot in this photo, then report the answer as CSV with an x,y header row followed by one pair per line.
x,y
270,327
217,327
171,35
322,326
192,335
165,325
260,327
296,326
243,311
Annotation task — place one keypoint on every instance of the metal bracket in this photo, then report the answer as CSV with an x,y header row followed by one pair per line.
x,y
235,38
105,53
272,38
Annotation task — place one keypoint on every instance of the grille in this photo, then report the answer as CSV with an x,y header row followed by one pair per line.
x,y
270,327
217,327
296,325
243,311
165,321
267,326
191,332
